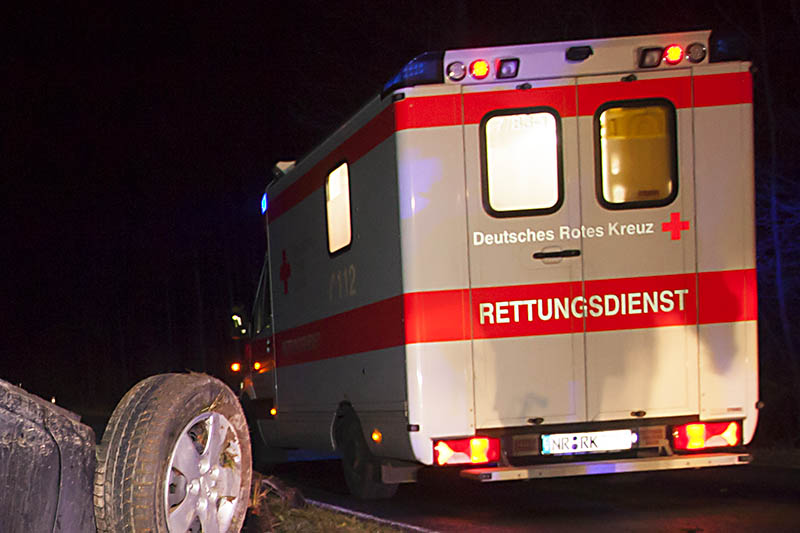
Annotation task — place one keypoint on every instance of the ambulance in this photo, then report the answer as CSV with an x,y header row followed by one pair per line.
x,y
527,261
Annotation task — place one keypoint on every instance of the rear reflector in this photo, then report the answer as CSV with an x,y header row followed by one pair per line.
x,y
704,435
476,450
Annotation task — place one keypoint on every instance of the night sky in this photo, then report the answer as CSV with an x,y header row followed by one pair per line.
x,y
137,141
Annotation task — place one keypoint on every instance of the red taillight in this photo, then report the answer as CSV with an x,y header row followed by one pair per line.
x,y
703,435
673,54
235,367
477,450
479,69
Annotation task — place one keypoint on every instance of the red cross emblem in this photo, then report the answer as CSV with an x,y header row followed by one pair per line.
x,y
286,273
675,226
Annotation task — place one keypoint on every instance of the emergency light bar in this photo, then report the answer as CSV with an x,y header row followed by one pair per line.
x,y
482,65
671,55
424,69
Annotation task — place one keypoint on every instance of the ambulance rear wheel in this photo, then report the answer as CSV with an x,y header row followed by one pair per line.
x,y
362,471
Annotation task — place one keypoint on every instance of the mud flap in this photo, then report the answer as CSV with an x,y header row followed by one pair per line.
x,y
47,460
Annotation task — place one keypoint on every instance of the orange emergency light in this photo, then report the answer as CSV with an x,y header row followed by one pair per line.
x,y
479,69
673,54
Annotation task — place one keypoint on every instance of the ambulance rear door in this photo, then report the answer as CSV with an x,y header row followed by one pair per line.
x,y
521,167
639,265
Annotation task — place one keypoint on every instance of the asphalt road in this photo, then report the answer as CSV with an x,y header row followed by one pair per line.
x,y
741,498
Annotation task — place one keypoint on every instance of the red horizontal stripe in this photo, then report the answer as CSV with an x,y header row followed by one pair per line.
x,y
635,306
428,112
371,327
613,304
437,316
723,89
592,96
562,99
728,296
356,146
522,320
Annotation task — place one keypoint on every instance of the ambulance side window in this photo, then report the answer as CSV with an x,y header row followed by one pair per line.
x,y
337,208
636,154
521,162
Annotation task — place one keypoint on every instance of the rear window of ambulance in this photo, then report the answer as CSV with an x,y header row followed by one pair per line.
x,y
521,161
636,154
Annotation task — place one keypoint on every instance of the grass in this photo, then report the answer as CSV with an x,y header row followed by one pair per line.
x,y
277,509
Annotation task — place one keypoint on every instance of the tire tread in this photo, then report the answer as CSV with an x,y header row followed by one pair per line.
x,y
138,439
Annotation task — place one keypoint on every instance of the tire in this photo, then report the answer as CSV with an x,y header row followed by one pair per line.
x,y
362,471
175,457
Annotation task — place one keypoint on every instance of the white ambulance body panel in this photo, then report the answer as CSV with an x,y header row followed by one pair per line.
x,y
464,306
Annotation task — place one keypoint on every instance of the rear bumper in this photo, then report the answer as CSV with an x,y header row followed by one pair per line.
x,y
615,466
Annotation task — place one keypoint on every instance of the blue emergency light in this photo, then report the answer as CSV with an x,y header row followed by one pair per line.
x,y
264,204
424,69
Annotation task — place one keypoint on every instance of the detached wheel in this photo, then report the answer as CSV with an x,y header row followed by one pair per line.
x,y
175,457
362,471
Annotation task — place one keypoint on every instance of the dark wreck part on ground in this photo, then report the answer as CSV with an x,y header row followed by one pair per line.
x,y
47,460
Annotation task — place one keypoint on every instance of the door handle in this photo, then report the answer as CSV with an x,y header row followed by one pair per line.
x,y
560,253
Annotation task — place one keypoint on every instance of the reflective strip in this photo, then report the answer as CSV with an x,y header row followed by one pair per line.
x,y
525,310
591,96
730,296
428,112
723,89
562,99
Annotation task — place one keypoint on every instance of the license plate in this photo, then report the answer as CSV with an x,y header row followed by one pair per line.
x,y
592,441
